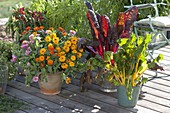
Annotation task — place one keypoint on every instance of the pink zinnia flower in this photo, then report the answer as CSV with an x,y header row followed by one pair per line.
x,y
28,64
35,79
72,32
31,37
14,58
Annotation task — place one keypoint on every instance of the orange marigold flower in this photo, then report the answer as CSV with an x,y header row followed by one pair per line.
x,y
51,52
58,49
41,58
50,47
71,64
66,49
68,80
36,28
50,62
73,57
47,38
64,65
64,33
61,29
79,55
62,58
24,32
37,59
28,28
51,28
42,51
68,60
41,27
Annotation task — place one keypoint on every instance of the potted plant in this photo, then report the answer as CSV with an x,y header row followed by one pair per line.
x,y
48,55
130,62
105,37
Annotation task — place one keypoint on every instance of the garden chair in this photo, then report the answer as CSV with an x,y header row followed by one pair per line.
x,y
157,26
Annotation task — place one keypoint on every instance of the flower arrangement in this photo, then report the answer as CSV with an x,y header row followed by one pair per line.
x,y
48,51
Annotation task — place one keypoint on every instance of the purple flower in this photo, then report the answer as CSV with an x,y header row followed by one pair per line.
x,y
27,52
14,58
28,64
25,44
72,32
35,79
31,37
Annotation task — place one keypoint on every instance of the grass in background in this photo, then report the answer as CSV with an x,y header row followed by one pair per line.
x,y
6,6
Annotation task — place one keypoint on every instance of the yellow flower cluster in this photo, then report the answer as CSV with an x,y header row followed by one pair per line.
x,y
57,50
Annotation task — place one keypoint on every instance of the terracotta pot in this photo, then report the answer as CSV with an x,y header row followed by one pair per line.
x,y
53,84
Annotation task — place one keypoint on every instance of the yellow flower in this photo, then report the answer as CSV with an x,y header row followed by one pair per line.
x,y
34,33
64,65
47,38
47,57
71,64
58,49
67,43
81,50
73,58
55,40
41,58
66,49
62,58
73,47
79,55
68,80
50,47
74,40
74,51
42,51
51,28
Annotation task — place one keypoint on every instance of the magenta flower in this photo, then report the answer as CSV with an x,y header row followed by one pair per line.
x,y
14,58
25,44
72,32
35,79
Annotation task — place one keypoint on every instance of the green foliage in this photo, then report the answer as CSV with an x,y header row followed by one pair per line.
x,y
71,14
130,62
10,105
5,58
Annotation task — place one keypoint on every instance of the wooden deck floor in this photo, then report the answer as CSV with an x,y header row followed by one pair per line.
x,y
71,100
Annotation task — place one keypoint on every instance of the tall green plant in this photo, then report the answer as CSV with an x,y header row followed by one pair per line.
x,y
71,14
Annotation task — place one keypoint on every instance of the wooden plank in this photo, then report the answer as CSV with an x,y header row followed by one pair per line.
x,y
106,99
154,106
155,92
158,80
158,86
40,103
165,75
162,52
156,99
58,99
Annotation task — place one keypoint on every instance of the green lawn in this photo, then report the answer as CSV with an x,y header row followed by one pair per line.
x,y
6,6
